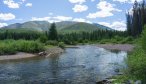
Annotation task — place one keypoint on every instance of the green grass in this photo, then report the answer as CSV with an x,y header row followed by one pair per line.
x,y
14,46
136,69
136,62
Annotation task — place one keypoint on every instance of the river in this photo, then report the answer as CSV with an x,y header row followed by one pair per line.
x,y
83,65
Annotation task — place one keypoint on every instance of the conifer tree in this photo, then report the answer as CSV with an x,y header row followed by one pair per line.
x,y
53,32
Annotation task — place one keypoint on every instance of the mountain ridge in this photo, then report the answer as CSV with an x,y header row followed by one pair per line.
x,y
60,26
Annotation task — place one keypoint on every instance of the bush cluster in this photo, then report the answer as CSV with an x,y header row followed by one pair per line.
x,y
13,46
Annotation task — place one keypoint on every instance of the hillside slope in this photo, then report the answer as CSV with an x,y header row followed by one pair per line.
x,y
64,26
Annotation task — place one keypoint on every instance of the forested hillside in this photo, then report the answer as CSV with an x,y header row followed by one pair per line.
x,y
64,26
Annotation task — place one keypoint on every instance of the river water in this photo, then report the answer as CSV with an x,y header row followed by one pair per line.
x,y
83,65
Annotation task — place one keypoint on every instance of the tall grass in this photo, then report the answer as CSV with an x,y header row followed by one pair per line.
x,y
13,46
136,62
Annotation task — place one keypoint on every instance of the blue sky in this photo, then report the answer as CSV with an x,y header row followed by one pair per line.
x,y
110,13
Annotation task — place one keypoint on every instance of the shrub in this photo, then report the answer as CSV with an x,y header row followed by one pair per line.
x,y
52,42
7,48
29,46
43,39
67,42
143,39
13,46
61,45
136,65
118,38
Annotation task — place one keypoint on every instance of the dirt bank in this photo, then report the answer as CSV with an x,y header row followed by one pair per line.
x,y
22,55
122,47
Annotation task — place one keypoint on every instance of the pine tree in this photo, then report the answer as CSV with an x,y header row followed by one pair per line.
x,y
136,19
53,32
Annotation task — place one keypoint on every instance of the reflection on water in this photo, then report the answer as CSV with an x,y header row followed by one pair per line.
x,y
83,65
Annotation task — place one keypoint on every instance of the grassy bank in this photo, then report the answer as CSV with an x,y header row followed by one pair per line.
x,y
136,62
14,46
136,69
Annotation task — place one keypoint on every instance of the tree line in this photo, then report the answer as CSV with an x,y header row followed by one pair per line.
x,y
52,34
17,34
96,35
136,18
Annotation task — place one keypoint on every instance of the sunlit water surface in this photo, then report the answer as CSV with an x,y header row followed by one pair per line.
x,y
83,65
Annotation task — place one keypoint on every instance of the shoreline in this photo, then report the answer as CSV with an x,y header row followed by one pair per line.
x,y
121,47
22,55
19,55
56,50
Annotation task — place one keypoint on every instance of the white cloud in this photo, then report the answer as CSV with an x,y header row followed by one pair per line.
x,y
81,20
117,25
59,19
28,5
3,24
40,19
92,0
77,1
100,14
106,10
62,18
127,1
23,0
7,16
80,8
105,24
14,5
52,19
11,4
122,1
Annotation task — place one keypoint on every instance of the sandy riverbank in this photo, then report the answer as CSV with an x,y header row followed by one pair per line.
x,y
122,47
22,55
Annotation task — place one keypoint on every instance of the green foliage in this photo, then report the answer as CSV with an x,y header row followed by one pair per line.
x,y
143,40
43,39
13,46
99,35
136,63
128,40
52,42
29,46
61,45
68,38
7,48
117,40
53,32
136,19
17,34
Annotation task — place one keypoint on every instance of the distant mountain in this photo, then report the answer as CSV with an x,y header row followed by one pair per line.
x,y
80,26
64,26
102,26
32,25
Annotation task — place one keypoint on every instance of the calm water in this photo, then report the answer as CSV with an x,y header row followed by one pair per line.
x,y
84,65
